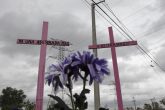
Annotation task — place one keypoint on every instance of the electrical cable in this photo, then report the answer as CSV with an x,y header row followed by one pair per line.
x,y
138,47
128,35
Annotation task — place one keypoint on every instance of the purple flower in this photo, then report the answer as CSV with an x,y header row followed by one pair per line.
x,y
73,65
55,80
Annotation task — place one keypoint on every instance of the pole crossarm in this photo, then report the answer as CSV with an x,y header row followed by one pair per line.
x,y
98,2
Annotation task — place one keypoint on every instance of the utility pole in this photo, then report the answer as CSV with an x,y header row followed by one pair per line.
x,y
134,101
94,41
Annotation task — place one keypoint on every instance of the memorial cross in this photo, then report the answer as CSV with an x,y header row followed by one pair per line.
x,y
41,71
112,45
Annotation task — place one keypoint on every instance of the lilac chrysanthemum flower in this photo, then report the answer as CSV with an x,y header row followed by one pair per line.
x,y
72,66
53,77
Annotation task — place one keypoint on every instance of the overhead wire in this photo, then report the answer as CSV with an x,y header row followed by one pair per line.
x,y
144,52
107,6
138,10
139,47
146,34
126,29
107,20
111,19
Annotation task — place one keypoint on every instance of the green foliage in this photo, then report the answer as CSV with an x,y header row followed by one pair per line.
x,y
60,105
138,108
29,105
80,100
129,108
156,106
51,106
162,101
152,106
103,109
12,98
147,107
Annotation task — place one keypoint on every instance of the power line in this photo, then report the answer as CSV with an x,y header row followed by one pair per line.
x,y
139,47
146,34
137,11
107,20
153,58
112,20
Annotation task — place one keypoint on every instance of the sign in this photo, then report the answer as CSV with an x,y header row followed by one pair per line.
x,y
39,42
118,44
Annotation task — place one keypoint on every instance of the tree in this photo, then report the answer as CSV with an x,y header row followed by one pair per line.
x,y
12,98
156,106
138,108
152,106
129,108
29,105
162,101
51,106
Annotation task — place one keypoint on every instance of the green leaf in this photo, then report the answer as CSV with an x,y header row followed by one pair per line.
x,y
80,100
60,103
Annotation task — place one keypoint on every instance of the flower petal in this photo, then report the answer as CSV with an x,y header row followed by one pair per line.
x,y
92,70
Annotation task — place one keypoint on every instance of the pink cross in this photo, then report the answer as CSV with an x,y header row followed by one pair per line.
x,y
41,71
112,45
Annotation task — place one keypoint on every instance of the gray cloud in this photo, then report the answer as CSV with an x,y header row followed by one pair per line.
x,y
70,21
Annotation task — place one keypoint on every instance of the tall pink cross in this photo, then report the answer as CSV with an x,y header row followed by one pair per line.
x,y
112,45
41,71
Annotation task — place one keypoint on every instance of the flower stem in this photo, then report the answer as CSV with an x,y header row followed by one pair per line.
x,y
71,95
84,81
84,84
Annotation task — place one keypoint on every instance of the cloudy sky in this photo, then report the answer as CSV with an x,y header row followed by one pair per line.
x,y
71,20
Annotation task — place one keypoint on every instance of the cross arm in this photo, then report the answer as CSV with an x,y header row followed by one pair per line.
x,y
109,45
40,42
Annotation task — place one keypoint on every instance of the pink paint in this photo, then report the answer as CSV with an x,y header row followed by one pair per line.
x,y
41,70
108,45
112,45
116,71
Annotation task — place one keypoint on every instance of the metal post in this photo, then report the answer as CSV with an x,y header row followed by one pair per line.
x,y
41,70
116,71
96,85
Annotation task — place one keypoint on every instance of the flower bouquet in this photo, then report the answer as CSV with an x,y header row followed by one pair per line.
x,y
77,66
